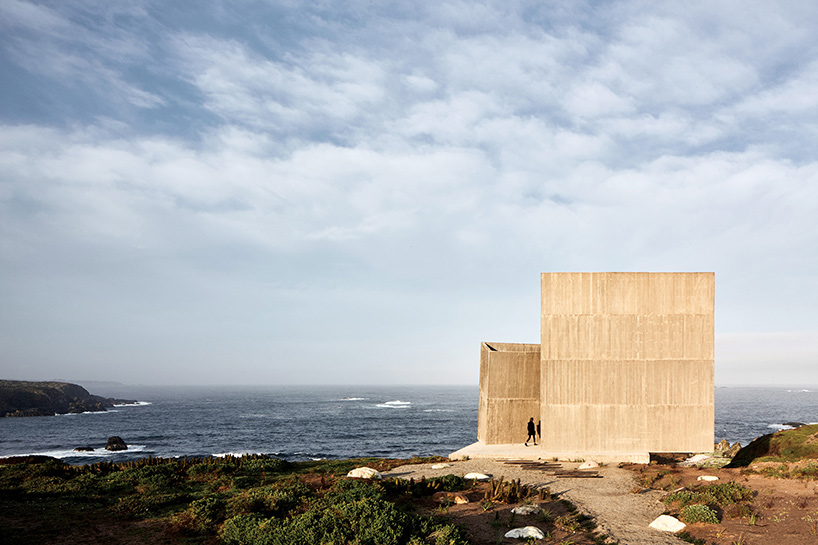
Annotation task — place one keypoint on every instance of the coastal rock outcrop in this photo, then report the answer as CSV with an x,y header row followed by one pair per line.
x,y
115,443
22,398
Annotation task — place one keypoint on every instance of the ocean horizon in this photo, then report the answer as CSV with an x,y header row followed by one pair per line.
x,y
325,422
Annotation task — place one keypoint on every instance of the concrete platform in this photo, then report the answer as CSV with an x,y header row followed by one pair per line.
x,y
518,451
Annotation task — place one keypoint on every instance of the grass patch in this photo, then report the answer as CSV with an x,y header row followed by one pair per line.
x,y
234,500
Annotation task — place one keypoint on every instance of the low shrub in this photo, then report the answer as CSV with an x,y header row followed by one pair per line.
x,y
717,494
698,513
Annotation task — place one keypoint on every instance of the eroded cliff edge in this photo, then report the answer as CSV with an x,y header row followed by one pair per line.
x,y
22,398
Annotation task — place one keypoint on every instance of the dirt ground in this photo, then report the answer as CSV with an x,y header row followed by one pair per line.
x,y
785,510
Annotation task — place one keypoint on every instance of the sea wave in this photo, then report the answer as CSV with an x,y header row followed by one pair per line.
x,y
135,404
80,454
397,404
88,412
354,399
237,454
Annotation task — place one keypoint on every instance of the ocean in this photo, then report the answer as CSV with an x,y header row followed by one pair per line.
x,y
301,423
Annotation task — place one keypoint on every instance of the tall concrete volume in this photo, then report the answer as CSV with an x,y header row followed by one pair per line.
x,y
624,368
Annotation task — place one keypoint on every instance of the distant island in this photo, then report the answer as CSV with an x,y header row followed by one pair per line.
x,y
22,398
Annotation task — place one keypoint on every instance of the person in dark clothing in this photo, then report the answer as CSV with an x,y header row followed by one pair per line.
x,y
532,432
539,431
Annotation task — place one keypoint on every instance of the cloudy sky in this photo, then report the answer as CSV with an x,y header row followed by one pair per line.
x,y
267,192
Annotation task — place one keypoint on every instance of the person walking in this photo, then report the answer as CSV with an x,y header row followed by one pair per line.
x,y
532,432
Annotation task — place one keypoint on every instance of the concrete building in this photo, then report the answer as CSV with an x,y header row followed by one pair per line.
x,y
624,368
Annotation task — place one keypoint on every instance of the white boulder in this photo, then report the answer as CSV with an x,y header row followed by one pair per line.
x,y
527,532
708,478
441,466
526,510
588,465
364,473
476,476
666,523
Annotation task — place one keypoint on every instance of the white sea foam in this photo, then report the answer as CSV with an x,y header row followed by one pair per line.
x,y
80,454
237,454
780,427
800,391
354,399
394,404
88,412
438,410
136,404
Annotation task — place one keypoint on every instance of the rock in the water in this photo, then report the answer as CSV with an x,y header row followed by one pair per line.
x,y
115,443
364,473
476,477
441,466
84,449
794,424
526,510
666,523
707,478
527,532
588,465
450,497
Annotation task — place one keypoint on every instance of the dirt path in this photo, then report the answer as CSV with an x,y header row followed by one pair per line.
x,y
620,513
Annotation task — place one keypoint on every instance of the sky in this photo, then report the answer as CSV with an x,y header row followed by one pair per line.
x,y
255,192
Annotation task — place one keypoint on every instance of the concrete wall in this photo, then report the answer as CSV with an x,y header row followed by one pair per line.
x,y
626,362
509,391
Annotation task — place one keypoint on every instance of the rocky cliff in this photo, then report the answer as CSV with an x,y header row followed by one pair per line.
x,y
21,398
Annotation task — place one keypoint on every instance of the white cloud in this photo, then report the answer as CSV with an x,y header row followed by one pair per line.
x,y
293,94
421,162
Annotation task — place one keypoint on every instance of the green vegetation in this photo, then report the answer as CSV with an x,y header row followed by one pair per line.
x,y
513,491
781,446
234,501
714,495
22,398
698,513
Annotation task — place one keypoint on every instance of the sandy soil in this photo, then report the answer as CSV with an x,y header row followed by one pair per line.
x,y
784,511
618,511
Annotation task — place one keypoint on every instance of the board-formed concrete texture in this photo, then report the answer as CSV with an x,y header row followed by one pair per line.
x,y
509,391
626,368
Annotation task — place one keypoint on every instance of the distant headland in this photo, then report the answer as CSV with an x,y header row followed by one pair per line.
x,y
22,398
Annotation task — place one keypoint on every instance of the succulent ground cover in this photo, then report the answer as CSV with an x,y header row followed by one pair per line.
x,y
261,500
750,506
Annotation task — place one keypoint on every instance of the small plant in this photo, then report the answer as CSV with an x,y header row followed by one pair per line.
x,y
740,540
546,516
567,524
753,519
780,517
487,505
813,523
699,513
807,472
